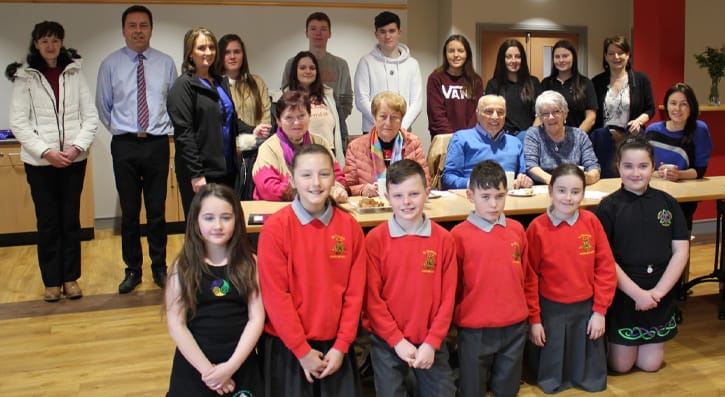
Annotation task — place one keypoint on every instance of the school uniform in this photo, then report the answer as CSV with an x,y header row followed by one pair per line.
x,y
491,305
410,294
312,278
572,275
641,229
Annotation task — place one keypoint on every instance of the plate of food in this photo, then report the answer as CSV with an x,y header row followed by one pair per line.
x,y
368,205
524,192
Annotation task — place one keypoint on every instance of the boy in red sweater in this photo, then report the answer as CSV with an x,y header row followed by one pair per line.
x,y
410,291
491,307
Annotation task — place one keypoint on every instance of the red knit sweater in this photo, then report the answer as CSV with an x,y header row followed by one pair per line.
x,y
411,285
312,279
569,264
491,272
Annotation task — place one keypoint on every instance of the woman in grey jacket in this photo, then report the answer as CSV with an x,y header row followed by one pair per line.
x,y
53,116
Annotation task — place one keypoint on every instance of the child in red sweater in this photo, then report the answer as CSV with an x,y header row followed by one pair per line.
x,y
491,308
410,291
312,277
571,285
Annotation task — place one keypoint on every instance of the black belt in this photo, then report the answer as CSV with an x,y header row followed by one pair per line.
x,y
139,136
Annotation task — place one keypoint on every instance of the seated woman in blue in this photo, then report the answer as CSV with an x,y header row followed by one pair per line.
x,y
552,143
682,144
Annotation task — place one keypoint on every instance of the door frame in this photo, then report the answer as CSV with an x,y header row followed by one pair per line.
x,y
533,28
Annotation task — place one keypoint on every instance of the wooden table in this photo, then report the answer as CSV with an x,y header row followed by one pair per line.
x,y
453,207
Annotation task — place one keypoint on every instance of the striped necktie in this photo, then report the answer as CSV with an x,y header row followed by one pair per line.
x,y
143,107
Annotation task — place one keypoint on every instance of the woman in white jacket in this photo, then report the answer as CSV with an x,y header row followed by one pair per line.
x,y
304,77
53,116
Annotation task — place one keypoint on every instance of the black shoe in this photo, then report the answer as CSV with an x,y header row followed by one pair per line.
x,y
160,277
129,283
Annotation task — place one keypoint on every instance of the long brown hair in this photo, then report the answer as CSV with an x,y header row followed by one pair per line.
x,y
241,269
469,75
500,74
244,78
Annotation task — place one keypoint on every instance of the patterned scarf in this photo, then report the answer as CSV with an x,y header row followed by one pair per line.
x,y
376,152
288,150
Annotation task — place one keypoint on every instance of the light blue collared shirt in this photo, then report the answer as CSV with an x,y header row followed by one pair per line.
x,y
557,221
305,217
483,224
116,91
423,230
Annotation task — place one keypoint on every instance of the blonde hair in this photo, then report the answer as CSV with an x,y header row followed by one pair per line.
x,y
189,40
395,102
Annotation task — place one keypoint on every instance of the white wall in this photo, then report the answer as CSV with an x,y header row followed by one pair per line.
x,y
703,27
271,34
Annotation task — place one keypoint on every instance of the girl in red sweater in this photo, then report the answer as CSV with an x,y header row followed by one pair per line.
x,y
312,277
569,286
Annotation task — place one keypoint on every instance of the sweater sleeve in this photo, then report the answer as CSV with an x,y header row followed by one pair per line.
x,y
270,183
275,287
531,284
437,118
588,158
453,177
416,97
354,293
443,316
532,148
605,272
381,320
363,98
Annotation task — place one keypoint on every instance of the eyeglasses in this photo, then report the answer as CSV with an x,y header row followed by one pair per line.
x,y
491,111
554,114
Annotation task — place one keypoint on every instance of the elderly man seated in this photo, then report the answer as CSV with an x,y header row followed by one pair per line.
x,y
485,141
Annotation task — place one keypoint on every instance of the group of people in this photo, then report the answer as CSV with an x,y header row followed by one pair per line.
x,y
246,322
569,282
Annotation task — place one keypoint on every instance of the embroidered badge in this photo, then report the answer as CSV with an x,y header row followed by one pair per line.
x,y
516,256
665,217
429,265
220,287
243,393
338,249
586,247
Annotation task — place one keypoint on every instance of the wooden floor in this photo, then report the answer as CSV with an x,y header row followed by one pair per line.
x,y
110,345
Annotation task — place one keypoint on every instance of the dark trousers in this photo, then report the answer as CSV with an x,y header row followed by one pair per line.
x,y
491,357
56,195
141,166
391,372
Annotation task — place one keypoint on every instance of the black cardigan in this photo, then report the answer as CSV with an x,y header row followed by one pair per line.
x,y
194,112
640,95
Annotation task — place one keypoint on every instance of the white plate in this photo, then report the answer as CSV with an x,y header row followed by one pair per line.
x,y
434,195
526,192
385,208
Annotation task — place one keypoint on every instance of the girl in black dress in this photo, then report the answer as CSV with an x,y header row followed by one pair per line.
x,y
213,305
650,242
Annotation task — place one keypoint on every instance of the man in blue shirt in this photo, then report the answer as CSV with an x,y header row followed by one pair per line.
x,y
133,83
485,141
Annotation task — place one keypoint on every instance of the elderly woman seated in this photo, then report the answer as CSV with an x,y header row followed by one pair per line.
x,y
271,171
552,143
369,156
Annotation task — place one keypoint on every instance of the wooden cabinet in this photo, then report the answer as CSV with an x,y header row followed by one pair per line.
x,y
17,213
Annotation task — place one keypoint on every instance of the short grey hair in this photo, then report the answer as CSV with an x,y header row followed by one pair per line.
x,y
551,98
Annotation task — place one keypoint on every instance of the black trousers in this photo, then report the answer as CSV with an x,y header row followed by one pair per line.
x,y
56,195
187,192
141,166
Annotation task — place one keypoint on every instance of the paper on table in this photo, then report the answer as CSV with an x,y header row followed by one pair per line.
x,y
595,194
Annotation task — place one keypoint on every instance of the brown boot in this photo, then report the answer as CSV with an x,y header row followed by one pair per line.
x,y
71,290
52,294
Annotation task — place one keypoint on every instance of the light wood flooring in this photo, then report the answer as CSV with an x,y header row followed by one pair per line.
x,y
110,345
